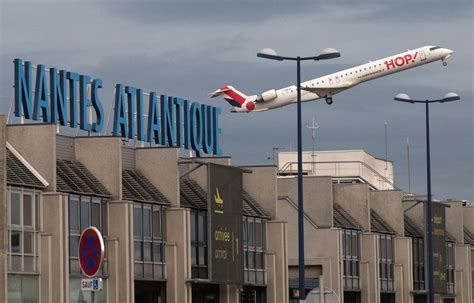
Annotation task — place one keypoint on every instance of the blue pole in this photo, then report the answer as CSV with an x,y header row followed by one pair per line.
x,y
429,215
300,188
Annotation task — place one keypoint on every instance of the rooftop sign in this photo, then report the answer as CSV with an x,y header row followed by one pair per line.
x,y
169,121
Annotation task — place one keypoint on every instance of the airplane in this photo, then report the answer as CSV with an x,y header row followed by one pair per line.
x,y
329,85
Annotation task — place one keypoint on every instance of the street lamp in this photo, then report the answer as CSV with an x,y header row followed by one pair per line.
x,y
429,225
328,53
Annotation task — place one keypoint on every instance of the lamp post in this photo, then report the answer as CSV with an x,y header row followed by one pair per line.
x,y
328,53
429,213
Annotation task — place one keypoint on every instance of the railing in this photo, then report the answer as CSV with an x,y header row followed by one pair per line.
x,y
342,169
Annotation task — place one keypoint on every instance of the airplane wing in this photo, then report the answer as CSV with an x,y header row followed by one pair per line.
x,y
327,90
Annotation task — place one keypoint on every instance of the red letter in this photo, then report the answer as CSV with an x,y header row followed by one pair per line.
x,y
389,64
414,57
399,61
407,58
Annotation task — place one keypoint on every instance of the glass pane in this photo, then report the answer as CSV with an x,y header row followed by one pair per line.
x,y
73,246
29,264
28,243
147,251
73,214
15,241
202,256
193,227
138,251
23,288
258,234
354,245
147,221
85,213
348,246
37,211
201,227
157,252
15,208
27,210
137,221
156,222
193,255
96,215
251,259
251,233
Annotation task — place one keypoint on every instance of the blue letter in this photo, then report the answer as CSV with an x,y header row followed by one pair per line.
x,y
41,96
153,122
73,78
167,123
217,131
179,120
196,125
187,126
99,110
208,129
84,103
131,91
58,96
120,121
141,135
23,92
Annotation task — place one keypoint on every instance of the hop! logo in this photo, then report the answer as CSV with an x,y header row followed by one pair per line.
x,y
400,61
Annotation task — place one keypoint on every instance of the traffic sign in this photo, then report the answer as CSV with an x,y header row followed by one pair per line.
x,y
91,251
94,284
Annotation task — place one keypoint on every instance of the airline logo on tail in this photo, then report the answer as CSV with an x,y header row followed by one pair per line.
x,y
234,97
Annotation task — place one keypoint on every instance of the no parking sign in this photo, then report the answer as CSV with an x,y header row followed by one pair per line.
x,y
91,251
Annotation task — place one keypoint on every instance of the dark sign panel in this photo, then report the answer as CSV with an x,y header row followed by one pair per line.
x,y
439,247
225,213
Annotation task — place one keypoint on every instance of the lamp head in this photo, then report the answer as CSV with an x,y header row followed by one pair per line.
x,y
450,97
269,53
403,98
328,53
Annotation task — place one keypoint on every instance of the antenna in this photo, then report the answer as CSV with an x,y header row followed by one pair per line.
x,y
313,127
408,160
386,146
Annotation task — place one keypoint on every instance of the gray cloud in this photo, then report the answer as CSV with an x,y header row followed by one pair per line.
x,y
188,49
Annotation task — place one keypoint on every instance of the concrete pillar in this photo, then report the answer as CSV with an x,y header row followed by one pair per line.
x,y
3,212
261,184
120,252
355,199
463,279
369,269
178,255
403,270
54,244
150,161
277,262
229,294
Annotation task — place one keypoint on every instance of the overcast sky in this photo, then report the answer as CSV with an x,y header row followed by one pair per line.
x,y
190,48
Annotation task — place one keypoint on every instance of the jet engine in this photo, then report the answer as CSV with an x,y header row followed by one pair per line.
x,y
269,95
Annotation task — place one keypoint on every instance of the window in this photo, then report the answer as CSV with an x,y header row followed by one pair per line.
x,y
386,261
23,228
199,260
450,267
84,211
418,264
254,250
434,48
148,233
351,259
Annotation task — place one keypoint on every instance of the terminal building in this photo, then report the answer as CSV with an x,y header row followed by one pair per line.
x,y
364,238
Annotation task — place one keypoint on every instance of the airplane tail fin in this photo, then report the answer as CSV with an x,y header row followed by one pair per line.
x,y
231,95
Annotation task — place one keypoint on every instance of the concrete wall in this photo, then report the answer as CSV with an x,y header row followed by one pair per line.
x,y
403,269
388,204
54,245
317,197
261,184
102,156
369,268
200,174
160,167
354,198
463,269
468,218
37,144
3,212
277,262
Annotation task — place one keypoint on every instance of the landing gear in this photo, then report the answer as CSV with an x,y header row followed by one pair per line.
x,y
445,63
329,100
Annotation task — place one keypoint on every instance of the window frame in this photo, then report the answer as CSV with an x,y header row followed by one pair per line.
x,y
199,246
386,263
418,257
22,229
450,267
351,259
255,271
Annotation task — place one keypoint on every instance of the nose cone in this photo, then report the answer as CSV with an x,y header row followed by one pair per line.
x,y
448,51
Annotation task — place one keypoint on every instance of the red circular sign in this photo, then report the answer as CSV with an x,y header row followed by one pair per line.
x,y
91,251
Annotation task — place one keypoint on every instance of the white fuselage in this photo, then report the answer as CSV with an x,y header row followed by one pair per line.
x,y
334,83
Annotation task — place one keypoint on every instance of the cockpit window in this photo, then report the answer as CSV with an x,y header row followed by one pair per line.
x,y
434,47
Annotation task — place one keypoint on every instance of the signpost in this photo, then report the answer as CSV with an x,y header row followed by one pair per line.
x,y
225,213
439,248
91,255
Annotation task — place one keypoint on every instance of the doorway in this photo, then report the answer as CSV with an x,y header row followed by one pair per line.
x,y
205,293
150,292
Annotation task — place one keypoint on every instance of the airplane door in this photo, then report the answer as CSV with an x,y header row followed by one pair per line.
x,y
422,55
